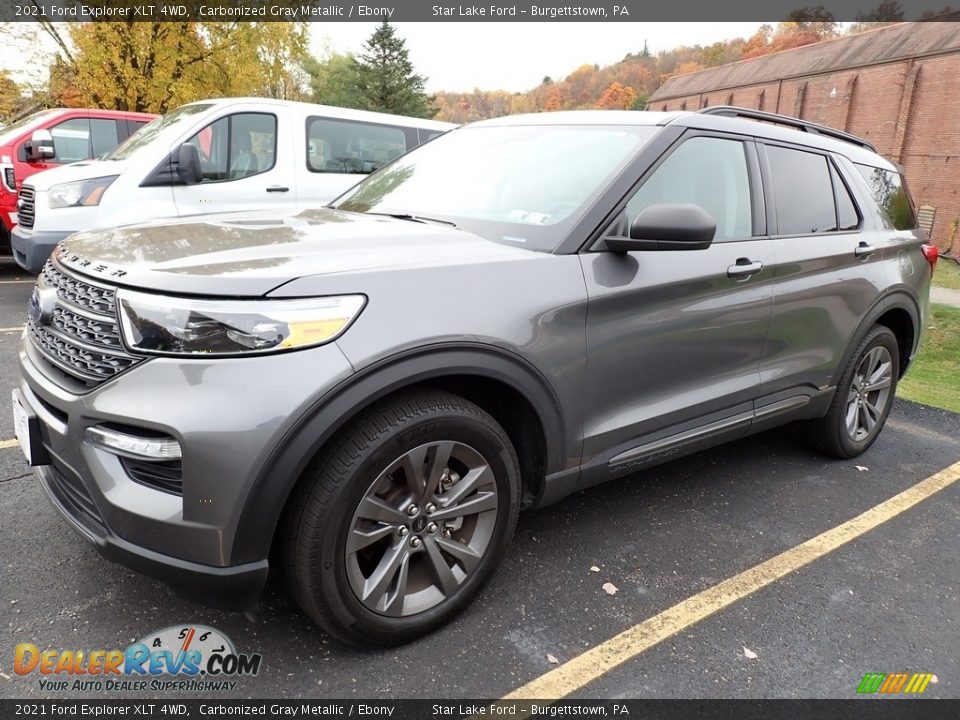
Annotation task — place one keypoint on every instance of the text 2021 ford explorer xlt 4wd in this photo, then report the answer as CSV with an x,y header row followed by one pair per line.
x,y
367,393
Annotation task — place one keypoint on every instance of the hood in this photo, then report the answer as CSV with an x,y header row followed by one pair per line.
x,y
83,170
250,254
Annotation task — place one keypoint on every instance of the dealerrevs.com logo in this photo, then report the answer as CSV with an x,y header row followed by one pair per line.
x,y
188,657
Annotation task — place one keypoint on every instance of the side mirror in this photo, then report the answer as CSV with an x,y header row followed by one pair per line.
x,y
667,227
189,169
40,146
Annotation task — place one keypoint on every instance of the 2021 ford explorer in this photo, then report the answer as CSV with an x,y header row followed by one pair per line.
x,y
367,393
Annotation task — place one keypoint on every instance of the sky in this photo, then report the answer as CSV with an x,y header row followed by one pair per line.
x,y
517,56
464,56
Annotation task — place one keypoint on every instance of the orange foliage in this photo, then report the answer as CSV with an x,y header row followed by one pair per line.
x,y
617,97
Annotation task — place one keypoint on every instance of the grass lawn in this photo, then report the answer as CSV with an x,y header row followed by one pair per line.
x,y
947,274
934,376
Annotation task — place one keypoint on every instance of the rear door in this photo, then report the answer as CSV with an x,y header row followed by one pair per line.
x,y
675,337
247,163
828,267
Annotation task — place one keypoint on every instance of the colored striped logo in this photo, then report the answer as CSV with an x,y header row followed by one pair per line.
x,y
893,683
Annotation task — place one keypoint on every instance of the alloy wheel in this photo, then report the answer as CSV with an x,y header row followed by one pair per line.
x,y
869,393
421,528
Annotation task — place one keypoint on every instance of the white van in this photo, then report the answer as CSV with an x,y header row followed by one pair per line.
x,y
213,156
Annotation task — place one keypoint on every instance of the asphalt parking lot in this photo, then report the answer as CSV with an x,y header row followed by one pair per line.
x,y
888,601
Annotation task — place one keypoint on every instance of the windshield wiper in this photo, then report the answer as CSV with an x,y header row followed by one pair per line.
x,y
412,218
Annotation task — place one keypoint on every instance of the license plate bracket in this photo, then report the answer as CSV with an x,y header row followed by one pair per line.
x,y
26,427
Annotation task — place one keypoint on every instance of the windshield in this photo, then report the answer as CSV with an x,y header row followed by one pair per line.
x,y
518,185
12,131
168,125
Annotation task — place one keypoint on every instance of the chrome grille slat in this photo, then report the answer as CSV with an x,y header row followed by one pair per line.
x,y
26,207
81,337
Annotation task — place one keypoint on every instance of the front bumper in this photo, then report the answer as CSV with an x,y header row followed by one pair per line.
x,y
229,588
31,249
227,415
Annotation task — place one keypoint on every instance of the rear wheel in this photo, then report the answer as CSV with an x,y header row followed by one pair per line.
x,y
863,399
403,520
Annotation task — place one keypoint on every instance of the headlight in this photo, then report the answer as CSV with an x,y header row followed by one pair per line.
x,y
160,325
84,193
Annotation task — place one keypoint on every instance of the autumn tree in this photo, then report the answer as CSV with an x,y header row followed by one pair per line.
x,y
386,80
156,66
10,97
617,97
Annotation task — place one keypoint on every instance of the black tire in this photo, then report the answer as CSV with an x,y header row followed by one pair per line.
x,y
321,513
830,434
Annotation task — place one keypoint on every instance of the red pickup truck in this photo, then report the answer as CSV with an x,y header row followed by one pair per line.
x,y
50,138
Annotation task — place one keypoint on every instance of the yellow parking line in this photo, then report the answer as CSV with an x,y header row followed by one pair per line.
x,y
595,662
18,328
4,444
15,282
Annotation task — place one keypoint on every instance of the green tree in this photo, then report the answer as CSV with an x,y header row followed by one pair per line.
x,y
386,80
333,80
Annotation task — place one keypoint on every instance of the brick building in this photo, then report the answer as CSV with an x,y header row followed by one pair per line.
x,y
897,86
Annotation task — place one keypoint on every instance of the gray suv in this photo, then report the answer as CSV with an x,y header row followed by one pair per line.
x,y
366,394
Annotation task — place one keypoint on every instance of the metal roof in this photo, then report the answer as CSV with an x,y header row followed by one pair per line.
x,y
886,44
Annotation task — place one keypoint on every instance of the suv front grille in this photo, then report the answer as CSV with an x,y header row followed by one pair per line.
x,y
25,206
80,337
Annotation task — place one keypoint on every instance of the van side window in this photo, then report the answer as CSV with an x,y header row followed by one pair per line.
x,y
705,171
237,146
347,147
802,190
71,140
890,193
847,216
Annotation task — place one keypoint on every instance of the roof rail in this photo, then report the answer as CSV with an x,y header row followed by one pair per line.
x,y
733,111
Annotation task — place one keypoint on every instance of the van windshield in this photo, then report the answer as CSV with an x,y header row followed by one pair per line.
x,y
167,126
14,130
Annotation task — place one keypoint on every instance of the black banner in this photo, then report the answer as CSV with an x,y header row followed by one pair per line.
x,y
440,11
862,709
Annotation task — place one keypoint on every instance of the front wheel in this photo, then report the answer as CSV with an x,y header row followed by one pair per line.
x,y
398,526
863,398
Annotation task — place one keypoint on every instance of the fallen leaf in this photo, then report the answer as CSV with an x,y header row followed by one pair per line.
x,y
609,588
749,654
861,468
551,659
594,568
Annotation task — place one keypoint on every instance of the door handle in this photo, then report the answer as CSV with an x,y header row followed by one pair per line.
x,y
744,267
864,251
278,188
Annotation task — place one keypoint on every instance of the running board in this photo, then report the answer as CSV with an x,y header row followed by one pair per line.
x,y
686,437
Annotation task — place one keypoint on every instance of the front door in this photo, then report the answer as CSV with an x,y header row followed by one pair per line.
x,y
675,337
246,160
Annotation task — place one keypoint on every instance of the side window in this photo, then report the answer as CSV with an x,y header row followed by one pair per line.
x,y
803,191
71,140
705,171
103,136
347,147
890,193
428,135
847,216
237,146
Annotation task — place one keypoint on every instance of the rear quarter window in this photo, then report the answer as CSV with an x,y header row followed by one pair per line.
x,y
889,191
